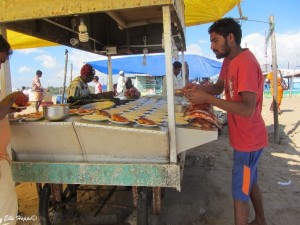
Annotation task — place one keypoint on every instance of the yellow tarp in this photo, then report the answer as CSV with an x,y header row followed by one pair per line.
x,y
206,11
196,12
21,41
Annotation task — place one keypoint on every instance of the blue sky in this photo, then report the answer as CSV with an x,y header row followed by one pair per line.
x,y
51,60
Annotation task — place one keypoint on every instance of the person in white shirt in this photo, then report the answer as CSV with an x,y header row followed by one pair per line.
x,y
121,88
177,78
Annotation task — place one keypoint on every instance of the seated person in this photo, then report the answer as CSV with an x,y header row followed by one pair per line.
x,y
78,88
128,83
131,90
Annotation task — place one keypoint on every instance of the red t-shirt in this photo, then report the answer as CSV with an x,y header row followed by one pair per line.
x,y
242,74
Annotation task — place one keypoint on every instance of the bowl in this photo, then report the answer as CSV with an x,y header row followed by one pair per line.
x,y
56,112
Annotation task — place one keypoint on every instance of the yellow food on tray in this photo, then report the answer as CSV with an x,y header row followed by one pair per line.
x,y
32,115
99,105
104,105
95,117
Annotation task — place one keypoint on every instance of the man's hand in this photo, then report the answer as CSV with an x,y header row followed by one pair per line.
x,y
21,99
8,101
197,96
191,86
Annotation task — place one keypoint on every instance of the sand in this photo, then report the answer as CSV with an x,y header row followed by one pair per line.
x,y
205,198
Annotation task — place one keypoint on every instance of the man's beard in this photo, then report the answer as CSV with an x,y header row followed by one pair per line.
x,y
225,53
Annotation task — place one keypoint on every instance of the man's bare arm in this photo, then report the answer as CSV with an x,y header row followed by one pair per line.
x,y
214,89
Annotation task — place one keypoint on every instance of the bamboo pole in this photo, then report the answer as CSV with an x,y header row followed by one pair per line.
x,y
65,77
109,77
274,71
71,77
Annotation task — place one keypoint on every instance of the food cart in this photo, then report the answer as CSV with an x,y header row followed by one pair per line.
x,y
68,152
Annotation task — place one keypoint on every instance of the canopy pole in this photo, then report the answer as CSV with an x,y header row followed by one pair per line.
x,y
109,78
65,76
183,71
274,71
71,77
169,79
5,79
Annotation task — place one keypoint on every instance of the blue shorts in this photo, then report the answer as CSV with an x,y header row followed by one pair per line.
x,y
244,173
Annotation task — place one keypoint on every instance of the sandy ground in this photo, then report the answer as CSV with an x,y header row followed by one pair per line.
x,y
205,198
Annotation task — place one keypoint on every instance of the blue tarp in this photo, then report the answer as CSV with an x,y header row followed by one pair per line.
x,y
155,65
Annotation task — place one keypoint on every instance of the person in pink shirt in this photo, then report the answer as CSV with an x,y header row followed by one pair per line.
x,y
98,86
243,82
8,196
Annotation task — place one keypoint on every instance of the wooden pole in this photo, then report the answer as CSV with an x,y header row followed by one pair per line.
x,y
65,77
71,73
274,71
5,78
109,77
169,80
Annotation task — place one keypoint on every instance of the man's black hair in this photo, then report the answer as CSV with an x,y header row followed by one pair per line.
x,y
38,72
177,65
226,26
5,46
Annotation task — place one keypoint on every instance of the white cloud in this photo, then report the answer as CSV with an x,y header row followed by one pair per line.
x,y
48,61
256,43
29,51
78,58
203,50
24,69
287,47
53,75
194,49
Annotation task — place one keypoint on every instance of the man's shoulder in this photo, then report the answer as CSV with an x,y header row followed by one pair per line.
x,y
77,79
76,82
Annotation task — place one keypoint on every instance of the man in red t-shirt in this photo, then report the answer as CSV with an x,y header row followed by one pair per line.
x,y
242,80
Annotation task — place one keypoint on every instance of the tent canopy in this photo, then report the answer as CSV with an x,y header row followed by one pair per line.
x,y
203,11
22,41
199,66
196,12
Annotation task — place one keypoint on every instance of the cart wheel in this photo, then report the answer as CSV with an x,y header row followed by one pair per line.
x,y
51,211
144,208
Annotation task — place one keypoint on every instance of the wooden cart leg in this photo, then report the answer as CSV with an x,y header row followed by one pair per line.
x,y
135,196
157,200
